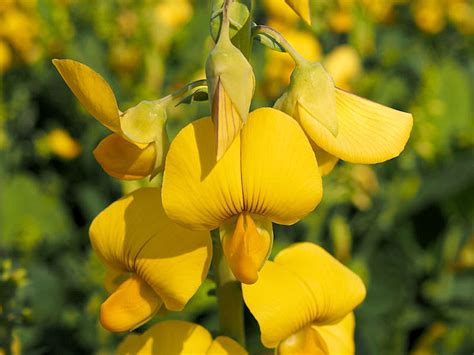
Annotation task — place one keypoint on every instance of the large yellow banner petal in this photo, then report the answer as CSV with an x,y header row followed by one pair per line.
x,y
304,285
124,160
368,132
199,192
134,235
280,175
91,90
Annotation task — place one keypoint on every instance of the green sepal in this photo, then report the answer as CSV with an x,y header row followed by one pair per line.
x,y
313,89
268,41
228,65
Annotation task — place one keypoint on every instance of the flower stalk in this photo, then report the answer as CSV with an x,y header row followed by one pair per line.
x,y
229,295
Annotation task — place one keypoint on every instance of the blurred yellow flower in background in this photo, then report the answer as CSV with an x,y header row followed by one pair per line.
x,y
429,15
62,144
344,65
5,56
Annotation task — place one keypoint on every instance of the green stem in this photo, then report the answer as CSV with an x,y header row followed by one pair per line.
x,y
277,36
229,295
182,91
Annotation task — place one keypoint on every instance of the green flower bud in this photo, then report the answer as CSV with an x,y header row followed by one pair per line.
x,y
311,89
231,85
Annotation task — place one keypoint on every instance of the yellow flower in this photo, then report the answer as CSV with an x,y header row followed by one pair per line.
x,y
62,144
173,13
429,15
303,302
161,262
344,64
268,175
138,145
5,57
340,124
175,337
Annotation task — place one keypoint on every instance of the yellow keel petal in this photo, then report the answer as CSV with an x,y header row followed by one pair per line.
x,y
339,337
124,160
368,132
91,90
247,244
132,304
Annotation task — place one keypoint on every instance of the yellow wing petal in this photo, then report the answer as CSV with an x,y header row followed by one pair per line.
x,y
369,133
132,304
302,8
339,337
168,338
226,346
305,285
134,235
91,90
198,192
278,168
124,160
326,161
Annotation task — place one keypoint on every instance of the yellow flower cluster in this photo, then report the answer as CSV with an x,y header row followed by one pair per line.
x,y
236,172
18,30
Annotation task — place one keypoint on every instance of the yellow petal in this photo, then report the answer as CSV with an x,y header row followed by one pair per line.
x,y
225,346
227,120
132,304
168,338
246,242
278,168
368,132
124,160
113,279
302,8
197,191
326,161
304,285
134,235
91,90
307,341
339,337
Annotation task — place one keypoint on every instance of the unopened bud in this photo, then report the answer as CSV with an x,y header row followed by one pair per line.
x,y
231,85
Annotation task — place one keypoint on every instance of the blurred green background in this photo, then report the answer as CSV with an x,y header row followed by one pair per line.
x,y
405,226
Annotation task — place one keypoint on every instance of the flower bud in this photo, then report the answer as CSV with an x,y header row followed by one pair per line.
x,y
311,89
231,85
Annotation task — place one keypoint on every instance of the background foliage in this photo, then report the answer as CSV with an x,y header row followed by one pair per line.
x,y
405,226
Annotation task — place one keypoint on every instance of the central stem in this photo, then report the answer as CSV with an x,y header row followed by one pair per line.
x,y
229,295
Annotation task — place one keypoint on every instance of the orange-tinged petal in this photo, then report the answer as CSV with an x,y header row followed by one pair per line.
x,y
124,160
339,337
168,338
91,90
225,346
246,242
199,192
134,235
280,175
304,285
368,132
132,304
